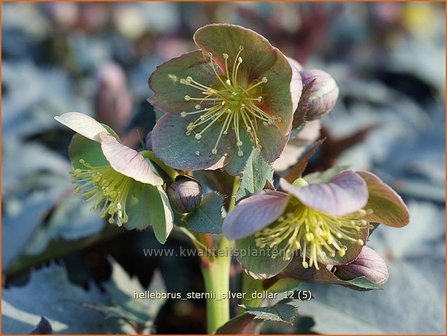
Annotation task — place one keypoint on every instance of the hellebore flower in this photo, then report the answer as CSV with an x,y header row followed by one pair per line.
x,y
236,93
325,222
117,179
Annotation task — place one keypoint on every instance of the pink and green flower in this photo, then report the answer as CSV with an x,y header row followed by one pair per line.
x,y
237,93
324,223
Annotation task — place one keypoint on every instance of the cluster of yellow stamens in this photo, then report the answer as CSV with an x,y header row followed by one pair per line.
x,y
314,233
230,103
106,188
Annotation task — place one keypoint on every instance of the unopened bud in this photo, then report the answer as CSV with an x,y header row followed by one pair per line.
x,y
185,194
319,95
368,264
149,141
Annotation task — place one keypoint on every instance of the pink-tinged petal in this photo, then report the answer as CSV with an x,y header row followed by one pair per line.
x,y
345,193
254,213
368,264
388,207
82,124
127,161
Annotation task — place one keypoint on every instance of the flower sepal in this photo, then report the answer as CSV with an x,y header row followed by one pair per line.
x,y
367,272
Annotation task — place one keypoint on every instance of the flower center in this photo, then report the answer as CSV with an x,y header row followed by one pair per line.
x,y
232,104
105,187
314,233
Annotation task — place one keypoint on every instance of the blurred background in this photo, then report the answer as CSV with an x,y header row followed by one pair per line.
x,y
60,261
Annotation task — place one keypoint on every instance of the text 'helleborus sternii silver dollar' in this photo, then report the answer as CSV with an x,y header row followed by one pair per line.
x,y
325,223
117,179
234,94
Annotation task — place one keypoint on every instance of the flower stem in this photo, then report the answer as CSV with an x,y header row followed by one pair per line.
x,y
217,281
216,274
172,173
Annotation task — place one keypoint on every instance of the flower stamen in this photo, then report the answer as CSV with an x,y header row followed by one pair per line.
x,y
232,105
314,233
104,186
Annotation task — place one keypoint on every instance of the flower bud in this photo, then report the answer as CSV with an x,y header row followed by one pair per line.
x,y
149,140
185,194
112,102
319,95
368,264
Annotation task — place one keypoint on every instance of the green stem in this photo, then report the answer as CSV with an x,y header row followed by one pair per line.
x,y
172,173
216,274
217,281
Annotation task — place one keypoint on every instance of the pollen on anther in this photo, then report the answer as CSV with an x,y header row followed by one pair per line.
x,y
197,153
264,79
240,153
214,151
198,136
239,143
187,98
198,107
225,56
183,114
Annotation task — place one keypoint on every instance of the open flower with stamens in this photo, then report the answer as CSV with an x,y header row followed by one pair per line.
x,y
234,94
322,223
115,178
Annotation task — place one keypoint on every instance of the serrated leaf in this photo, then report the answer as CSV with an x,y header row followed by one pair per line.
x,y
242,324
207,217
284,311
124,306
256,173
297,169
72,219
43,327
19,229
47,294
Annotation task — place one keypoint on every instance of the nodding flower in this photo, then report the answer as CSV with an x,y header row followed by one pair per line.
x,y
236,94
115,178
325,223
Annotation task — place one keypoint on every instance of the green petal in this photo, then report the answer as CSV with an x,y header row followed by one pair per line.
x,y
388,206
352,252
82,124
169,93
273,142
149,205
259,262
180,151
236,164
87,150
